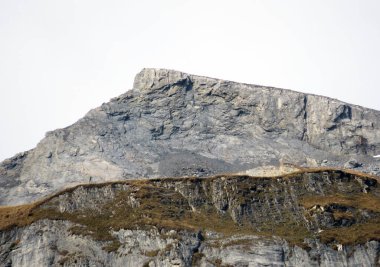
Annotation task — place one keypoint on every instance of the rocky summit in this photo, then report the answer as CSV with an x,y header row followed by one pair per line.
x,y
184,170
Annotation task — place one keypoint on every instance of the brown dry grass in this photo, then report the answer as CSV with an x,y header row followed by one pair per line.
x,y
15,216
360,201
356,234
163,208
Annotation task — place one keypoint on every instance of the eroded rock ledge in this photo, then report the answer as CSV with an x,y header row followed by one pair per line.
x,y
311,217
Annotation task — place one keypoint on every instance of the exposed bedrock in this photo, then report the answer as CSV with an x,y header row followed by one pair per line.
x,y
323,218
176,124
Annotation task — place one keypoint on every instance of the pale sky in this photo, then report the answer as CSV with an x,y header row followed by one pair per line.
x,y
59,59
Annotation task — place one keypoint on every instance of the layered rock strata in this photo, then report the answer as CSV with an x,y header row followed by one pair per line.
x,y
173,124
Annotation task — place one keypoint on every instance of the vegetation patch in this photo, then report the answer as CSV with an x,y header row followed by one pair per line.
x,y
219,263
112,246
152,253
363,201
11,216
230,205
353,235
196,259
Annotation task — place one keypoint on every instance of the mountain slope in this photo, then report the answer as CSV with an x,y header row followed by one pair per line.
x,y
173,124
312,217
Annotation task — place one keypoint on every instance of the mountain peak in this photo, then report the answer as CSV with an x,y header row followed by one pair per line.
x,y
153,78
249,162
175,124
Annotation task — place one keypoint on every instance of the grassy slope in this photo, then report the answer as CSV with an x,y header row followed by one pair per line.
x,y
165,208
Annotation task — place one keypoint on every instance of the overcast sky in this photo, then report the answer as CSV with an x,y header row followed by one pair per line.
x,y
58,59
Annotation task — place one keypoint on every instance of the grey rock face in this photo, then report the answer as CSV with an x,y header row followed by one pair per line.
x,y
256,201
176,124
50,243
352,164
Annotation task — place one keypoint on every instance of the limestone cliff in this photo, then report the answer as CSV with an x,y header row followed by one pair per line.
x,y
173,124
319,217
184,170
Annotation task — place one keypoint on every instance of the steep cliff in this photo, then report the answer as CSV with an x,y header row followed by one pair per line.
x,y
173,124
314,217
184,170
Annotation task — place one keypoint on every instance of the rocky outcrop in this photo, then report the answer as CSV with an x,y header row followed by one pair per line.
x,y
50,243
310,218
176,124
210,135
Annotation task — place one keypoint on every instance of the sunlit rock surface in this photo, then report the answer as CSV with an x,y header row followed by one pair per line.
x,y
239,175
174,124
309,218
